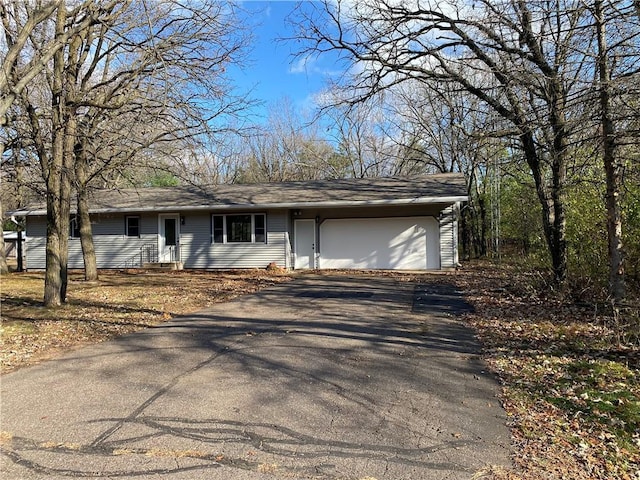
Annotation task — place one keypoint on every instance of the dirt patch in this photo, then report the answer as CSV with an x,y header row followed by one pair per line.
x,y
120,302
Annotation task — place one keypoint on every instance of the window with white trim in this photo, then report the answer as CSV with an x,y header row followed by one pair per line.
x,y
239,228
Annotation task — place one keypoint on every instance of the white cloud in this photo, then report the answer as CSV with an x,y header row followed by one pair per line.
x,y
304,64
311,64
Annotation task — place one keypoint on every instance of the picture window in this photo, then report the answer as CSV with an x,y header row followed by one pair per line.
x,y
239,228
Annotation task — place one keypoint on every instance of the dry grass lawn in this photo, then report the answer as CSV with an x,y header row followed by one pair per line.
x,y
120,302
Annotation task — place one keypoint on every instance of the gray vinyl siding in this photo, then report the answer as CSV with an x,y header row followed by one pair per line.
x,y
113,248
448,238
198,251
36,232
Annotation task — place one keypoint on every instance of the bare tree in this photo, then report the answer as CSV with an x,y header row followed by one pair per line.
x,y
287,148
440,129
143,92
616,59
516,56
47,116
142,75
19,21
364,146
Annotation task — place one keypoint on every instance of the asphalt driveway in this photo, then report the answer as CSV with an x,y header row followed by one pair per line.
x,y
326,377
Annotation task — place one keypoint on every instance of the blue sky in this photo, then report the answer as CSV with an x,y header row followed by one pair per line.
x,y
274,73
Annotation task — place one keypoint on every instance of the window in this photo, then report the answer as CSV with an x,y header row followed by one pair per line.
x,y
218,229
259,229
132,226
74,227
239,228
170,231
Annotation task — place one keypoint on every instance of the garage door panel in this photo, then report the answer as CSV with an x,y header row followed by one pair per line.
x,y
379,243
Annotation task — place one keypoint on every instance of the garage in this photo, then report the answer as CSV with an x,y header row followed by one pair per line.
x,y
396,243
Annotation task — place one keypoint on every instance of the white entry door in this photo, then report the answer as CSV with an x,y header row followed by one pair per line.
x,y
169,241
305,243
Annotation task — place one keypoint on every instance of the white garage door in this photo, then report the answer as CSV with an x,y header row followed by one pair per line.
x,y
408,243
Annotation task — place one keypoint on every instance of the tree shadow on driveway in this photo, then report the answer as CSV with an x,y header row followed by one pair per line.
x,y
327,377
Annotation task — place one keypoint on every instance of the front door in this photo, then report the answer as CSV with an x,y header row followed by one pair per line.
x,y
169,242
305,242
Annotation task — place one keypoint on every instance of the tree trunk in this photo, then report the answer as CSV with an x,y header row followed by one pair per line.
x,y
54,258
57,235
481,244
558,122
4,268
553,210
70,130
465,226
52,279
70,123
612,167
86,239
84,219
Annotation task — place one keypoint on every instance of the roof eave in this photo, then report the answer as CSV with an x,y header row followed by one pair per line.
x,y
270,206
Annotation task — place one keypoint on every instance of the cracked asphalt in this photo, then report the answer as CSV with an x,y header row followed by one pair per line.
x,y
326,377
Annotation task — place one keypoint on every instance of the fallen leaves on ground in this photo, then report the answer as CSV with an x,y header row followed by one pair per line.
x,y
571,388
120,302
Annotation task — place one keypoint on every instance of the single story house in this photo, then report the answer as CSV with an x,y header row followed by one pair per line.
x,y
369,223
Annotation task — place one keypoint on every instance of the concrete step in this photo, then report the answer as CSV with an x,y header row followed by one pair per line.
x,y
164,265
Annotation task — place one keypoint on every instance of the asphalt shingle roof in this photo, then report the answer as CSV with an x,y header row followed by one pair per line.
x,y
440,188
